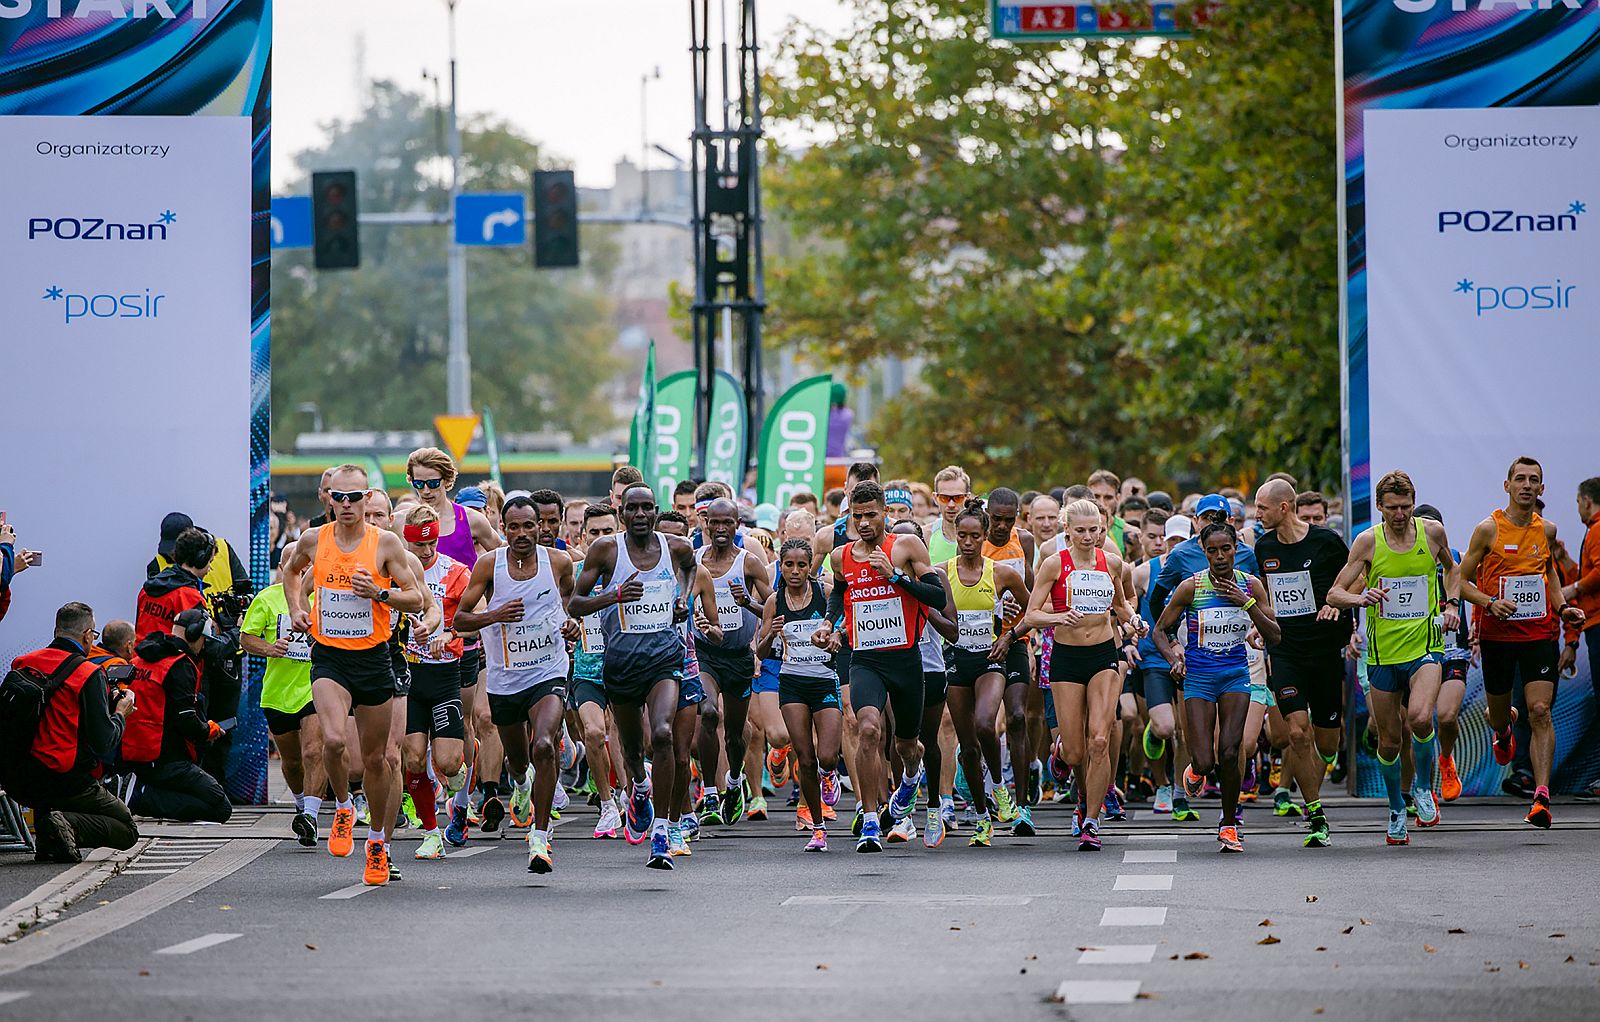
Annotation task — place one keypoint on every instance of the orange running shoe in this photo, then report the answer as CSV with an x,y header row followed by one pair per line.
x,y
828,812
1539,815
1248,796
1449,780
1229,838
1504,745
778,766
341,839
377,871
802,817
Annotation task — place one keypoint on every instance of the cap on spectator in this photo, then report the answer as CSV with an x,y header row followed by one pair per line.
x,y
1161,499
174,523
471,496
1212,502
1179,527
767,516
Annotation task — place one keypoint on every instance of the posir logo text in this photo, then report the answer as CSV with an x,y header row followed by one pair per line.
x,y
95,228
1489,298
145,304
1424,6
1511,221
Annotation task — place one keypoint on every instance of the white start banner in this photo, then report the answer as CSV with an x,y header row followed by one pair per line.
x,y
125,278
1483,260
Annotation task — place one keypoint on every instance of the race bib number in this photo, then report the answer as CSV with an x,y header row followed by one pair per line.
x,y
341,614
878,624
1452,642
798,650
729,614
530,645
653,611
1407,599
299,642
1089,591
593,639
1222,629
1292,595
1526,592
976,630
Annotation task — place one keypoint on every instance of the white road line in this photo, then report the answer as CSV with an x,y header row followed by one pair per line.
x,y
189,947
148,872
346,893
1171,836
1132,856
1143,882
467,853
1118,954
81,929
1098,991
7,996
1134,916
993,900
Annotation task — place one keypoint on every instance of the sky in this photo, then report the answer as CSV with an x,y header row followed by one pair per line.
x,y
568,74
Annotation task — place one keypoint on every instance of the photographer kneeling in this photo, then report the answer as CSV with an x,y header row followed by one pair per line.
x,y
56,768
167,733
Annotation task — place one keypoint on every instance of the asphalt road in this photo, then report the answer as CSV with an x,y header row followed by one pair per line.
x,y
230,922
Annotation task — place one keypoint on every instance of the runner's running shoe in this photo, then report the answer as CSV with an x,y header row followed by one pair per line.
x,y
802,818
947,813
341,839
856,824
903,831
871,839
733,805
1283,804
1317,835
1397,829
756,809
818,842
610,820
1060,770
794,794
376,873
1539,815
1192,786
641,815
660,851
363,813
677,840
1229,839
1024,825
1113,804
559,800
830,788
1089,839
1035,783
1505,743
408,809
1005,807
493,813
305,829
1154,748
933,830
691,827
903,801
1449,780
1427,808
456,831
710,809
539,854
432,846
521,807
1411,804
1163,800
778,767
1182,812
981,834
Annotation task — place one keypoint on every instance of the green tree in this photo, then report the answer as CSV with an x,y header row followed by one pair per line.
x,y
368,345
1005,213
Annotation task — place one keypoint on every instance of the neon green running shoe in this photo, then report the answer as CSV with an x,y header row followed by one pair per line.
x,y
1154,748
432,846
409,808
1005,807
521,807
981,834
1183,812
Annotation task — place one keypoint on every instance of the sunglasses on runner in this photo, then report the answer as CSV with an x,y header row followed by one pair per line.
x,y
426,484
951,498
347,496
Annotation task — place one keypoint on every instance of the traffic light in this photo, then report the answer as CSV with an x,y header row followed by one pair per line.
x,y
555,219
336,236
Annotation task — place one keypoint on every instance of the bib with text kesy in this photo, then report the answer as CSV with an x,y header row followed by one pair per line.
x,y
1526,592
1292,595
798,650
341,614
1407,600
878,624
651,612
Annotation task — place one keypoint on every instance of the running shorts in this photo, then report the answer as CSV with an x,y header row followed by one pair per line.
x,y
364,673
890,677
816,694
1503,660
1212,687
631,681
732,670
281,723
434,706
1076,665
511,710
1314,684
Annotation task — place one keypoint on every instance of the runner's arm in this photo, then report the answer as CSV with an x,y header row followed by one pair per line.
x,y
1007,580
1355,569
294,568
479,587
1161,634
1037,616
767,636
408,595
432,611
598,564
1482,538
1261,614
917,576
836,593
1163,584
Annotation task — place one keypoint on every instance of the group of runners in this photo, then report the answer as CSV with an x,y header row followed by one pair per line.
x,y
456,658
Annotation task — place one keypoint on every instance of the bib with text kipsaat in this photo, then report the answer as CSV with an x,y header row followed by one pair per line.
x,y
1292,595
652,612
341,614
1407,599
878,624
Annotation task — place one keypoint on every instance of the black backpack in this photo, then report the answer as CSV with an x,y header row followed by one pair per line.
x,y
24,694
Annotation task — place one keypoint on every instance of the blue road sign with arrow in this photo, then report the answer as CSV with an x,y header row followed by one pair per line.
x,y
493,218
291,222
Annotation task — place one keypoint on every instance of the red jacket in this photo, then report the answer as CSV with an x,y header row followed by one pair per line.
x,y
1588,579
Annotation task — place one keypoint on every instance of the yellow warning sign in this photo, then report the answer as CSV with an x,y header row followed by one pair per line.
x,y
456,431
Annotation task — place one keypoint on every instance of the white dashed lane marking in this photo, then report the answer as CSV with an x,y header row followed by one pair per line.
x,y
7,996
1134,916
1118,954
1098,991
189,947
346,893
1143,882
1132,856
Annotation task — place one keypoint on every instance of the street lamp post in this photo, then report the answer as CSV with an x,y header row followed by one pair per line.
x,y
644,139
458,365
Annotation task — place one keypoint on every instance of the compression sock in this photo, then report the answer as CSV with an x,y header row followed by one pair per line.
x,y
1390,769
420,788
1425,752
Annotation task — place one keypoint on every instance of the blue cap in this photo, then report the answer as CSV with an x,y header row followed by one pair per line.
x,y
471,496
1212,502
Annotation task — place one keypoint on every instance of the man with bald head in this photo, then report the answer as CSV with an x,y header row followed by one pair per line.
x,y
1299,564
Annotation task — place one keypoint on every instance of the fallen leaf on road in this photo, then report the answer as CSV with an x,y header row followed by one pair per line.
x,y
1429,948
1033,958
1310,898
1570,960
144,972
1347,929
1455,929
1557,936
1492,968
1196,956
1085,947
224,908
311,947
955,927
1321,949
1365,923
821,967
1269,939
1024,970
105,903
1055,999
1173,958
1144,995
1266,922
1523,965
1317,1011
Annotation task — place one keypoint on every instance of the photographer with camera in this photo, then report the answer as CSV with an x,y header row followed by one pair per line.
x,y
59,718
226,573
165,737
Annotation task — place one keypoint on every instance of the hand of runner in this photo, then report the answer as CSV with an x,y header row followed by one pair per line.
x,y
1572,615
571,629
1374,597
1255,640
508,612
1230,591
437,643
821,636
362,585
1134,656
281,647
631,591
1452,619
1177,665
881,564
300,621
1569,662
740,597
997,652
1140,627
1069,617
1502,609
1327,613
680,612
